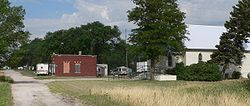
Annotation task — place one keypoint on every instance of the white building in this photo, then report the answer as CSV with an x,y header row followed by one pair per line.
x,y
142,66
202,44
102,69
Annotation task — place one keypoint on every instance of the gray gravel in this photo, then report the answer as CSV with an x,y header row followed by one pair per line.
x,y
27,91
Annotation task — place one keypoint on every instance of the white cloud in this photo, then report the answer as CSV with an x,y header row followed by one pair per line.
x,y
207,12
91,10
114,12
110,12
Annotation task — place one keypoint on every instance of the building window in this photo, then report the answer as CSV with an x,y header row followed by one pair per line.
x,y
77,68
170,61
200,57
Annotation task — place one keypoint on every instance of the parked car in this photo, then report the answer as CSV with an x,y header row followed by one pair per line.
x,y
121,70
6,68
20,68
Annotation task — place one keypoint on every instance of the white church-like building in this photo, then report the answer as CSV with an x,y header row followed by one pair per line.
x,y
201,44
199,47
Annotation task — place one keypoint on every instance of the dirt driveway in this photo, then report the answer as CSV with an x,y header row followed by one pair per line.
x,y
27,91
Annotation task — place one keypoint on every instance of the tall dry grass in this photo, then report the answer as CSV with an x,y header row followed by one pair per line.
x,y
142,96
175,95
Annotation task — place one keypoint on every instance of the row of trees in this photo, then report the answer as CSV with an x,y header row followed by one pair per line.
x,y
92,39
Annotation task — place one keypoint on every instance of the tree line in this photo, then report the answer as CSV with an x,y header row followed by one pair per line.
x,y
91,39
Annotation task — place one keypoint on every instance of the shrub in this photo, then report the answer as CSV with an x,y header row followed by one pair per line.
x,y
199,72
236,75
173,71
6,79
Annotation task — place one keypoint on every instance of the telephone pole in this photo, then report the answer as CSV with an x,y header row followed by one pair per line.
x,y
126,51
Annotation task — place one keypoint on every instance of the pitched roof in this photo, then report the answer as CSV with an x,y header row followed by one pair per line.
x,y
203,37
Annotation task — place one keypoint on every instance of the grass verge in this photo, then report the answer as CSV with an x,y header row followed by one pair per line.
x,y
5,90
154,93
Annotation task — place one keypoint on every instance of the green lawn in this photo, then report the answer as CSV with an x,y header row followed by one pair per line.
x,y
154,93
5,94
27,73
5,91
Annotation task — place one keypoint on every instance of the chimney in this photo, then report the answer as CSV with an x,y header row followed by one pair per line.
x,y
80,52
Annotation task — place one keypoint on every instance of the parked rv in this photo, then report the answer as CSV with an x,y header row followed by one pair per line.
x,y
42,69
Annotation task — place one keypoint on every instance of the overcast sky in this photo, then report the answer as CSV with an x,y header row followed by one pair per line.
x,y
50,15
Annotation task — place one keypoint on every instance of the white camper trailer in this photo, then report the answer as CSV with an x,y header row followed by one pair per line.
x,y
42,69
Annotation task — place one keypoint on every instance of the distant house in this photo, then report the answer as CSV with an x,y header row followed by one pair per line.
x,y
74,65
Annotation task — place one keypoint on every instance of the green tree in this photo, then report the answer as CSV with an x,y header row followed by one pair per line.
x,y
116,56
161,28
92,39
231,47
12,34
34,52
16,57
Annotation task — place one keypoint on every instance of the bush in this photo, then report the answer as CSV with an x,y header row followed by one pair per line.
x,y
199,72
236,75
6,79
173,71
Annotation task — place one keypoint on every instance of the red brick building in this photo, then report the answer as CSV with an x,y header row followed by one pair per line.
x,y
74,65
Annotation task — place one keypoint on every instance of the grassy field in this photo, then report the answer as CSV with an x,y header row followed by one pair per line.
x,y
5,92
153,93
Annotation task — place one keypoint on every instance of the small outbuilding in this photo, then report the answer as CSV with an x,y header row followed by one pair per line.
x,y
102,70
74,65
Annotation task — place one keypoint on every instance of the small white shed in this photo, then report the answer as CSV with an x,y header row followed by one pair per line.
x,y
102,69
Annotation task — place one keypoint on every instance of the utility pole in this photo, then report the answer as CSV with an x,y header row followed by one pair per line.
x,y
126,52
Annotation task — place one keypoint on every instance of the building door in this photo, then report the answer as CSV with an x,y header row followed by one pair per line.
x,y
66,66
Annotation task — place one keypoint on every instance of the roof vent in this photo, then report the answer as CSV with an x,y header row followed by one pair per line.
x,y
80,52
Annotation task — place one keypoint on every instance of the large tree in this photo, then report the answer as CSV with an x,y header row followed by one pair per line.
x,y
34,52
161,28
94,38
231,47
12,34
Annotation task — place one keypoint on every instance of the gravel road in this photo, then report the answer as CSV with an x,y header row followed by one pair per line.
x,y
27,91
